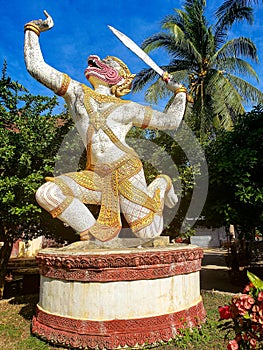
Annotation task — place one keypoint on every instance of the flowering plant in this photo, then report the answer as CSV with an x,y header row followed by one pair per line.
x,y
246,312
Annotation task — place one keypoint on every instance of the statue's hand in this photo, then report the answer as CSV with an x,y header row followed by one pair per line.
x,y
44,25
171,84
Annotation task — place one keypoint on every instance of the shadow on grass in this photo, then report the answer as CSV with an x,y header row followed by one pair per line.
x,y
28,305
218,279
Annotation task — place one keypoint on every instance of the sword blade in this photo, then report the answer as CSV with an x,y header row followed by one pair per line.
x,y
137,50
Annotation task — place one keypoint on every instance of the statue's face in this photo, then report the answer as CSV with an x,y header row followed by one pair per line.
x,y
103,72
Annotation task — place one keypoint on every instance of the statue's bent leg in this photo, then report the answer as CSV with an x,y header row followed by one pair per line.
x,y
144,222
167,190
64,198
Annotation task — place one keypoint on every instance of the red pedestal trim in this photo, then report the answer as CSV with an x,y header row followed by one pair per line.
x,y
140,265
114,333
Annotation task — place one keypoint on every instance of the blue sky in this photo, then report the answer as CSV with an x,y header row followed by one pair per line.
x,y
81,29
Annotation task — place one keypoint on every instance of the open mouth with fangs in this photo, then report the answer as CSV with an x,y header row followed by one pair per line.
x,y
92,64
93,61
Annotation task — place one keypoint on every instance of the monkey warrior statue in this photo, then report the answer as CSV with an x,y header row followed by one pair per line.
x,y
113,177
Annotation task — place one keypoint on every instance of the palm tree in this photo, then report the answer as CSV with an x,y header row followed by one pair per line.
x,y
203,60
230,8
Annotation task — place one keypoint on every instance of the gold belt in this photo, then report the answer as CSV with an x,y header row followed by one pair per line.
x,y
112,179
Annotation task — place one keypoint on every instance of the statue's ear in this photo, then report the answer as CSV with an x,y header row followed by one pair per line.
x,y
123,88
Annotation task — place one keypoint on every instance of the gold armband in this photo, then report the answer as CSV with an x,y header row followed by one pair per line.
x,y
147,117
165,77
33,27
184,89
180,89
64,85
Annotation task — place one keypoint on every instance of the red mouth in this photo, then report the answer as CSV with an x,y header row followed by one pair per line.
x,y
92,62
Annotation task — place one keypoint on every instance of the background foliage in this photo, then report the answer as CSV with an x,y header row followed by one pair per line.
x,y
30,135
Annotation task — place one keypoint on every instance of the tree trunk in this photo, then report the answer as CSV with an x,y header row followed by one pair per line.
x,y
5,253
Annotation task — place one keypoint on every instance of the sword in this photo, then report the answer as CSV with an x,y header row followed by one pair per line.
x,y
140,53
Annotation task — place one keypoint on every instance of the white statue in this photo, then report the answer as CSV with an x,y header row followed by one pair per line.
x,y
114,177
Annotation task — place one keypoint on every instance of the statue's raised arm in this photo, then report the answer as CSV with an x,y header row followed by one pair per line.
x,y
35,64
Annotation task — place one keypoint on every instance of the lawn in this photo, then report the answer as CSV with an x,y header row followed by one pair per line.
x,y
16,314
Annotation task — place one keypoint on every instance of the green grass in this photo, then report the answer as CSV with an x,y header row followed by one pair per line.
x,y
16,315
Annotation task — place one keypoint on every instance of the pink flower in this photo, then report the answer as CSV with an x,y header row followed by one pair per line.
x,y
253,342
248,287
224,312
260,296
232,345
247,301
255,308
254,317
243,303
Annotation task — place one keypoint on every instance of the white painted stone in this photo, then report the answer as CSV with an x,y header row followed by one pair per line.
x,y
124,299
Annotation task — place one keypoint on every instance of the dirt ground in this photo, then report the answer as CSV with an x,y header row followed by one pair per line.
x,y
215,274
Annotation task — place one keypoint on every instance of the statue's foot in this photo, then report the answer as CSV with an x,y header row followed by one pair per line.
x,y
170,198
85,236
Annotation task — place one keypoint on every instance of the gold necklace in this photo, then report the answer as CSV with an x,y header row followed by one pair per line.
x,y
98,120
100,97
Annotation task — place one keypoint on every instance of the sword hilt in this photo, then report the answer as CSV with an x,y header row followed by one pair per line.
x,y
166,77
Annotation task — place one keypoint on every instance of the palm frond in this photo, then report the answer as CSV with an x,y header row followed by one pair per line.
x,y
236,14
225,101
175,48
182,19
185,46
237,66
238,47
210,43
246,90
229,12
156,41
229,6
178,33
180,76
156,91
220,86
142,78
169,21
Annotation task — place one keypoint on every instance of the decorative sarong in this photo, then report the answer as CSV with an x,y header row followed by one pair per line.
x,y
112,179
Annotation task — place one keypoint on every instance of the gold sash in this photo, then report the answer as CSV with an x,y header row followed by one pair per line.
x,y
112,180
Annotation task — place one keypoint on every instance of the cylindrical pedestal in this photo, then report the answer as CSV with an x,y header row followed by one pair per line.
x,y
109,298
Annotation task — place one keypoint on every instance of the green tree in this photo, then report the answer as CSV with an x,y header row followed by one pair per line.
x,y
235,176
207,63
30,137
235,9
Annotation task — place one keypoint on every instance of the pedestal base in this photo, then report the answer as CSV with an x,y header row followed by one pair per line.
x,y
109,298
